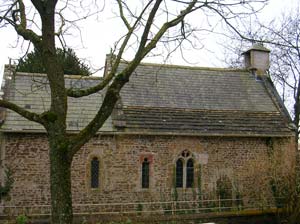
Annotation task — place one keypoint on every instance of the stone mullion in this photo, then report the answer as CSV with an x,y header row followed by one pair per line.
x,y
184,173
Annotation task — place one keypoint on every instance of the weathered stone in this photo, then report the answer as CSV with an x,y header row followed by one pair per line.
x,y
120,167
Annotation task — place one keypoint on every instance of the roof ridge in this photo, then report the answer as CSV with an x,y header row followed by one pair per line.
x,y
191,67
199,110
67,76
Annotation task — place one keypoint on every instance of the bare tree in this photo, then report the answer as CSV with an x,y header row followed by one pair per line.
x,y
147,26
282,36
285,40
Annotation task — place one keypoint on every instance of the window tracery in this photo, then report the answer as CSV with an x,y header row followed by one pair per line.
x,y
184,170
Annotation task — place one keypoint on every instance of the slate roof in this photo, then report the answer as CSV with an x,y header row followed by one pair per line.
x,y
167,99
196,89
203,122
32,92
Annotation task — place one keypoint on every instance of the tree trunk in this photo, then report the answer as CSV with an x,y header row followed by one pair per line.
x,y
60,181
55,119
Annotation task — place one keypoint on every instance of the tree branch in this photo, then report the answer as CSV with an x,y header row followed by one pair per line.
x,y
122,15
29,35
76,93
243,36
22,14
21,28
165,27
21,111
4,17
112,93
149,23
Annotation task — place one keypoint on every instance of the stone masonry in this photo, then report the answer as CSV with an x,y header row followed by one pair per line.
x,y
215,133
120,159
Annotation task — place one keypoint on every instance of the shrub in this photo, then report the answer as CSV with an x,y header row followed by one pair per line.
x,y
66,57
22,219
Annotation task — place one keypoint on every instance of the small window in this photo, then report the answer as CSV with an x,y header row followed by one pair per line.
x,y
95,173
189,173
179,173
145,173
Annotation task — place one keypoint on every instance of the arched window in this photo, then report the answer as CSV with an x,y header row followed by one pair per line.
x,y
95,173
185,170
179,173
189,173
145,173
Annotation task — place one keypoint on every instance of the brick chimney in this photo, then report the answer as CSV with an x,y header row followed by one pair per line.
x,y
257,59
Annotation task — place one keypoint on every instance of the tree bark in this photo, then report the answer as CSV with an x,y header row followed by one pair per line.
x,y
55,120
60,182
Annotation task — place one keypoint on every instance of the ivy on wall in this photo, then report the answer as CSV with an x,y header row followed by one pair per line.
x,y
7,185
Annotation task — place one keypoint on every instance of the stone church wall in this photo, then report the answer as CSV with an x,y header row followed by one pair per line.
x,y
234,160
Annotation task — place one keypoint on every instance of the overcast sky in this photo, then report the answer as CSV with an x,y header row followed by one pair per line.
x,y
98,38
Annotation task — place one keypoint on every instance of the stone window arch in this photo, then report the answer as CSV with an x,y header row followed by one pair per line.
x,y
95,173
145,173
184,170
179,173
190,173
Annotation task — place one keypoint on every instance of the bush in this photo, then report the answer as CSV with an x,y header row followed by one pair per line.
x,y
66,57
22,219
